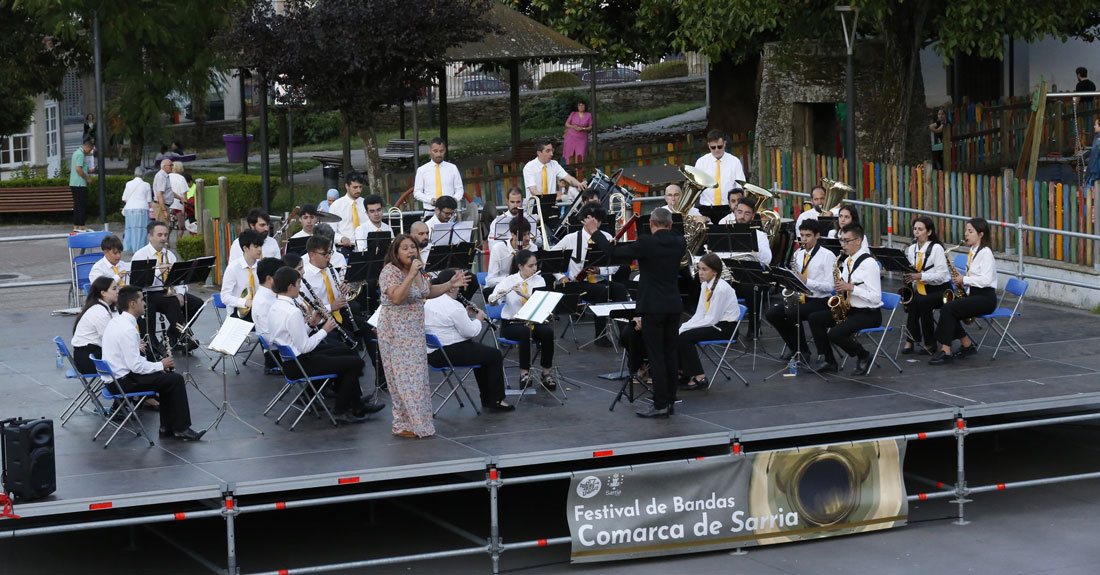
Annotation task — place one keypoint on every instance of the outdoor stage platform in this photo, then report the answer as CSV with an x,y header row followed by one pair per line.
x,y
1063,376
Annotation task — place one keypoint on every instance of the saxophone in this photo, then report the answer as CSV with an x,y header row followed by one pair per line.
x,y
955,291
838,303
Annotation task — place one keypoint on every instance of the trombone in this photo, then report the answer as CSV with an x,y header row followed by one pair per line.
x,y
390,213
537,211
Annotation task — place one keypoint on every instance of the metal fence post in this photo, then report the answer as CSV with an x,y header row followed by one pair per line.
x,y
889,223
1020,247
494,517
229,511
961,491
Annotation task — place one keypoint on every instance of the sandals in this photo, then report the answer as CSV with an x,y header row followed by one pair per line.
x,y
694,384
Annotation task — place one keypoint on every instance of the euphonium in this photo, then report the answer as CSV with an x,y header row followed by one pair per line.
x,y
835,192
769,219
617,206
695,233
838,303
955,291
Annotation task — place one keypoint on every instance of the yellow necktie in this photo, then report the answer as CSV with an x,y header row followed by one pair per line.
x,y
355,214
439,182
160,260
120,282
920,268
524,286
805,262
718,186
707,308
251,280
545,189
849,269
331,295
969,258
591,276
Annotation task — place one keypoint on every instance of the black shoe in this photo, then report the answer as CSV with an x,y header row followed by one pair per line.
x,y
350,417
501,407
694,384
863,365
188,435
907,350
967,351
786,355
924,351
525,381
549,381
940,358
273,371
654,412
373,407
825,366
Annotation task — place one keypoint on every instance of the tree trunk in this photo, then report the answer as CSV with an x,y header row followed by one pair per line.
x,y
345,142
734,95
902,138
280,118
375,177
198,115
137,145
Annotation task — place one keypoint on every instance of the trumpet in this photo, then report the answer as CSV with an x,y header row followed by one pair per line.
x,y
347,338
955,291
400,220
838,303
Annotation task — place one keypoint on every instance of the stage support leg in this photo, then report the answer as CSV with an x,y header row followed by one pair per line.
x,y
229,510
494,518
961,490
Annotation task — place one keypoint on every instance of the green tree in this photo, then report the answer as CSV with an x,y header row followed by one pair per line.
x,y
33,64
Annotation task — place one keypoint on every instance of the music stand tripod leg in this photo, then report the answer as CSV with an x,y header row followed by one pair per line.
x,y
800,361
226,407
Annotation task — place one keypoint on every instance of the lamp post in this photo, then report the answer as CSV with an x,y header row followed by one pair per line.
x,y
849,74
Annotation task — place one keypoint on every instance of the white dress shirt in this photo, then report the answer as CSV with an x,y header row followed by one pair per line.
x,y
160,184
92,325
315,277
288,327
424,185
148,253
270,249
532,177
500,263
301,234
731,171
179,189
500,227
819,278
864,248
982,271
137,195
102,267
812,214
868,291
121,341
513,301
367,227
934,267
262,303
713,307
237,277
447,320
579,251
343,207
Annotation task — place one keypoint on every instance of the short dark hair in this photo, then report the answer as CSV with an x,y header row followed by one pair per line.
x,y
738,191
446,202
715,135
437,140
291,260
250,237
127,295
87,141
519,225
372,199
111,243
522,257
356,177
1082,71
853,228
444,277
307,209
590,193
316,242
816,188
257,214
542,143
267,268
325,231
284,278
594,210
810,225
747,202
514,190
153,225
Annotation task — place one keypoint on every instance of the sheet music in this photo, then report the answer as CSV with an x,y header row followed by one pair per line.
x,y
605,309
539,306
452,233
374,317
230,336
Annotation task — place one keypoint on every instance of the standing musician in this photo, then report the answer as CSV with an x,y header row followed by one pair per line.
x,y
658,254
445,209
437,178
726,168
260,222
859,280
372,224
456,325
514,291
926,255
515,209
121,346
239,283
595,290
715,317
170,304
99,309
541,175
980,283
262,303
814,266
288,327
501,254
848,214
307,214
817,207
350,208
111,263
743,212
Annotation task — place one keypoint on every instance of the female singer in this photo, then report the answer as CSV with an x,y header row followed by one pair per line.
x,y
98,310
926,255
514,291
715,317
401,335
981,278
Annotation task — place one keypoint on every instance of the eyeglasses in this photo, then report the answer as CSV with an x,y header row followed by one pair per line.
x,y
718,147
447,213
324,254
845,241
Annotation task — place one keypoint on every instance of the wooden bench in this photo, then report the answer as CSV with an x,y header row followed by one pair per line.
x,y
329,160
399,150
45,199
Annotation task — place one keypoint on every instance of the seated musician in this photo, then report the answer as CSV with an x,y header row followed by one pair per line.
x,y
111,263
588,196
121,351
338,260
735,196
817,207
287,323
849,214
715,317
501,254
814,266
172,302
514,291
980,283
422,236
860,282
262,302
307,214
445,208
672,197
456,325
239,282
374,223
260,222
320,283
600,286
926,255
743,212
99,309
498,229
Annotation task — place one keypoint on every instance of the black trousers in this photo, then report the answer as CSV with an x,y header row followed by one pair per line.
x,y
490,376
347,367
690,364
543,333
660,332
631,340
921,322
785,320
602,292
175,412
980,302
752,302
828,333
167,304
83,362
80,205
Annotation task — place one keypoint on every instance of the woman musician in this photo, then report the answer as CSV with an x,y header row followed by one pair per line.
x,y
715,317
502,253
514,291
926,255
98,310
849,214
980,283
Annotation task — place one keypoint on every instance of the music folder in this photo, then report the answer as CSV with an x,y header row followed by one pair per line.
x,y
190,271
731,238
539,306
230,336
893,260
749,272
831,244
553,261
784,278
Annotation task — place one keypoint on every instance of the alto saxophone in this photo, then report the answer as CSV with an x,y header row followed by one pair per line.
x,y
955,291
838,303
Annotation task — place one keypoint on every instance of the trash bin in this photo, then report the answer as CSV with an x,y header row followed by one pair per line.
x,y
236,148
330,174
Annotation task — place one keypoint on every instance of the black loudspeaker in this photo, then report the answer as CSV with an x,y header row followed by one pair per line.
x,y
28,457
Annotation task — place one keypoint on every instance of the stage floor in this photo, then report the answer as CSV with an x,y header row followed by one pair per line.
x,y
1062,374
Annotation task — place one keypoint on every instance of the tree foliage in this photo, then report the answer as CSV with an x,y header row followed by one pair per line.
x,y
33,63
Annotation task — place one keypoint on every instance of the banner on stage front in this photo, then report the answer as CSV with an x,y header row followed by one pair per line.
x,y
736,501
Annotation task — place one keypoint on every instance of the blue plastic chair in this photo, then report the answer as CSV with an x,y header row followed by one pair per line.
x,y
450,376
90,382
1018,288
960,263
128,404
720,363
307,383
890,301
81,263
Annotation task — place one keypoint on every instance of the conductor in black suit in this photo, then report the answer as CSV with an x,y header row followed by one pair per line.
x,y
658,255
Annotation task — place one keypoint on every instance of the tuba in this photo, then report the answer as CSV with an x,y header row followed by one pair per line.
x,y
769,219
617,206
695,233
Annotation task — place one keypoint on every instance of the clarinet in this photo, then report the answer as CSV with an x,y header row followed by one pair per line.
x,y
350,341
351,316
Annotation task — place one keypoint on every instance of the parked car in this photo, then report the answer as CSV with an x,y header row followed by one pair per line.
x,y
613,76
483,85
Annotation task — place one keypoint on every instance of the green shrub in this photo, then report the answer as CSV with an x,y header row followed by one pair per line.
x,y
190,247
662,70
559,79
309,128
550,112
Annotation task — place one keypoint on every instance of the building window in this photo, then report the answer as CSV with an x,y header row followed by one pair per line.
x,y
15,150
53,133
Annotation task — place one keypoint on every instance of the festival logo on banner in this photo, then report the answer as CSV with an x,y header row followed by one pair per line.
x,y
736,501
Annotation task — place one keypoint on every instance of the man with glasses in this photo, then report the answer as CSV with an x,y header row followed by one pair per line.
x,y
541,175
322,284
725,168
860,282
437,179
372,224
445,209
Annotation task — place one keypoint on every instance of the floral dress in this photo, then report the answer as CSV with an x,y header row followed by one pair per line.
x,y
401,345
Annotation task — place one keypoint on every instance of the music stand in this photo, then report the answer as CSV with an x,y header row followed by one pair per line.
x,y
183,273
785,279
715,213
750,273
616,314
893,260
731,238
227,341
459,256
553,261
831,244
536,310
296,246
451,233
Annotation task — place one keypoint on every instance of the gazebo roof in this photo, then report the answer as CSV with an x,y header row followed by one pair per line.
x,y
521,38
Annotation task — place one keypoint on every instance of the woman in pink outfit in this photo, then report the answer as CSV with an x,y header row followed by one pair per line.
x,y
577,128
